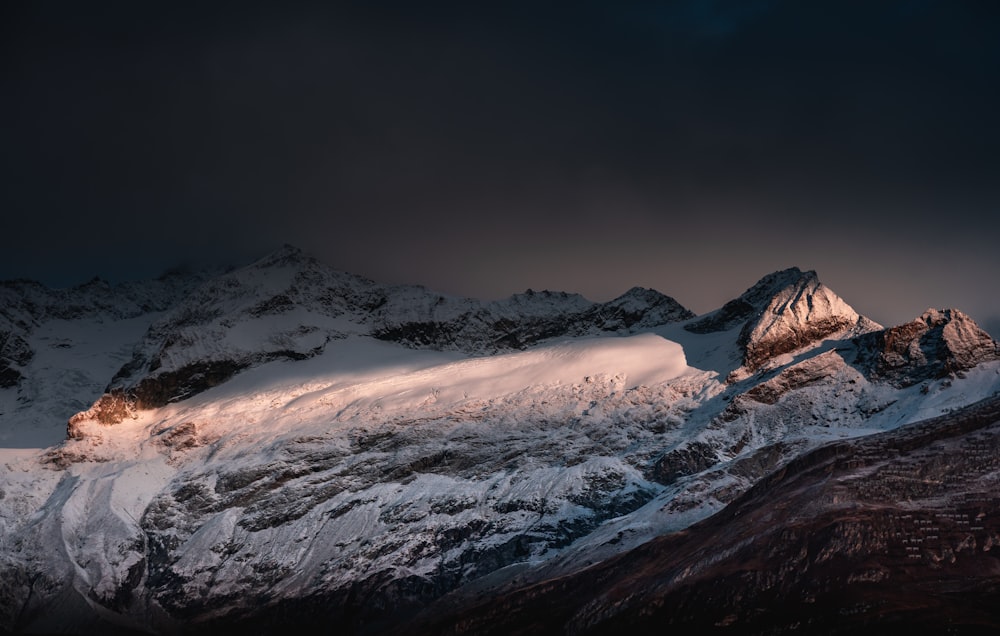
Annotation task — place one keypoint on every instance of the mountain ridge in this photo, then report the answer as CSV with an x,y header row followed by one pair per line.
x,y
709,578
173,362
285,437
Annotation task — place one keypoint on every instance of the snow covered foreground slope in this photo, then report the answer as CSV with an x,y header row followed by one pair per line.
x,y
290,438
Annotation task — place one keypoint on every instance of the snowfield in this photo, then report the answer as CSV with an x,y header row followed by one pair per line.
x,y
383,459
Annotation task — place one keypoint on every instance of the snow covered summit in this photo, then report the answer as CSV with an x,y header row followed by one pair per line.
x,y
783,312
287,440
288,305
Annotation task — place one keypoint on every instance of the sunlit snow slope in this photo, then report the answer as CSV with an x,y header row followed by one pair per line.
x,y
287,439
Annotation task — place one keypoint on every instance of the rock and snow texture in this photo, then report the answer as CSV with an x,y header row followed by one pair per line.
x,y
785,311
411,477
60,347
936,344
290,306
285,437
890,533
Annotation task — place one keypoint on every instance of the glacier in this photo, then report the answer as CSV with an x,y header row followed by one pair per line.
x,y
284,437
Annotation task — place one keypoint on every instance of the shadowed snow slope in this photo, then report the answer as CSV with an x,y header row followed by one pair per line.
x,y
289,306
783,312
286,445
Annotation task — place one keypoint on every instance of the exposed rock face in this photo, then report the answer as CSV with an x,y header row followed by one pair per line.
x,y
357,487
939,343
783,312
802,312
289,305
750,304
527,319
15,352
150,393
798,376
898,530
755,424
688,459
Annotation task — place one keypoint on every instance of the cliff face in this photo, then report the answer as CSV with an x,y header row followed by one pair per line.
x,y
289,306
938,343
287,446
800,313
893,531
783,312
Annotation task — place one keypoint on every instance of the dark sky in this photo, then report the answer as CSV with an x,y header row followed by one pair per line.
x,y
484,148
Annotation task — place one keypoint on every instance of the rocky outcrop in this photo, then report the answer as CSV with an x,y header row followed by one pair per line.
x,y
638,308
357,496
784,312
289,305
891,531
119,403
937,344
530,318
15,353
688,459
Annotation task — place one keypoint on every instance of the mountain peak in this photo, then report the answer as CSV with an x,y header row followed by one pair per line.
x,y
938,343
372,476
774,283
643,307
800,312
751,302
643,293
783,311
286,254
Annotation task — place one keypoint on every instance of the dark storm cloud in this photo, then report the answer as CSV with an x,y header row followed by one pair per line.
x,y
482,149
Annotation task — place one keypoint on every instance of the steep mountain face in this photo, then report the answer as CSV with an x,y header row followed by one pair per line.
x,y
783,312
59,347
290,306
26,305
889,532
285,444
522,320
937,344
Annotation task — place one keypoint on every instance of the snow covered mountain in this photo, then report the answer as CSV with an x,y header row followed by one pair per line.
x,y
290,306
286,440
59,347
888,533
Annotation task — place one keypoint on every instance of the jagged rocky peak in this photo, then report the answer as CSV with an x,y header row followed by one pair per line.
x,y
519,321
27,305
641,307
800,313
286,305
783,312
935,345
738,311
289,305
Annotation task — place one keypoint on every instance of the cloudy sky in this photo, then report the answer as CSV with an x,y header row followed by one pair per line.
x,y
485,148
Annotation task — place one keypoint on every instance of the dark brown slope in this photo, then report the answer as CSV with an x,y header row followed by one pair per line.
x,y
895,531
